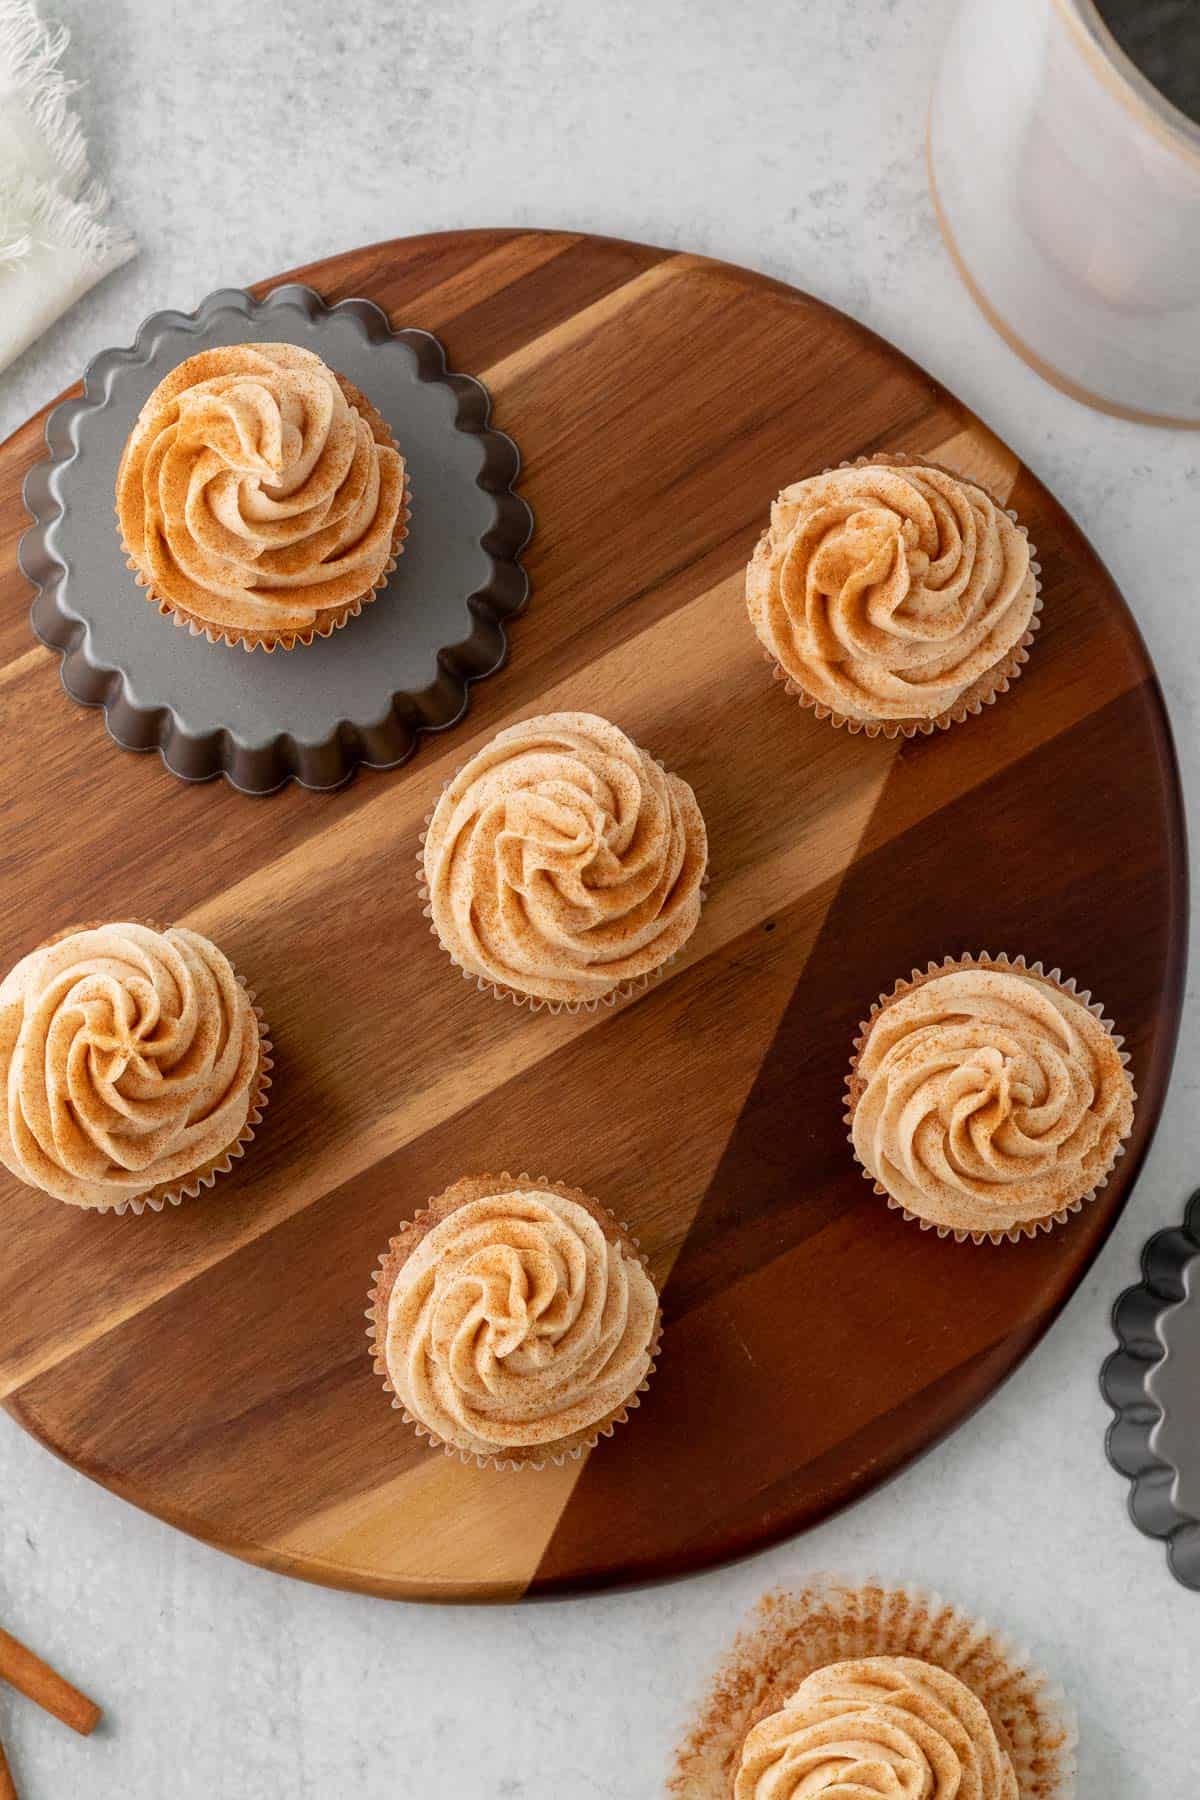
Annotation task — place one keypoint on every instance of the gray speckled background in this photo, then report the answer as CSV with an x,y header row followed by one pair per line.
x,y
242,140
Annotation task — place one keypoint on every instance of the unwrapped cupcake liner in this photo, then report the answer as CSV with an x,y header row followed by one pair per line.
x,y
381,1291
338,616
831,1620
1001,962
626,990
983,691
175,1193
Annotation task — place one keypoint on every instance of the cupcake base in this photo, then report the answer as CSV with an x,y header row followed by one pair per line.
x,y
401,1247
333,618
1004,965
174,1193
982,692
831,1621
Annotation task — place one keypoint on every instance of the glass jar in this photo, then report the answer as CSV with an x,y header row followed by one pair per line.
x,y
1068,192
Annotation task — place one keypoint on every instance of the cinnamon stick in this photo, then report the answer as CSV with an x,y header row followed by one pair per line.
x,y
43,1685
8,1789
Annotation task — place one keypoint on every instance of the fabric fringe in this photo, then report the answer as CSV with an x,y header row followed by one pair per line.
x,y
48,200
37,216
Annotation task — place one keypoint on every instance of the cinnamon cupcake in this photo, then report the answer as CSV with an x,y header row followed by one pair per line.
x,y
260,497
514,1321
988,1099
893,596
868,1689
134,1063
563,866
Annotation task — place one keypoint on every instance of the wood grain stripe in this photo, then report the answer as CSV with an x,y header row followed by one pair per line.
x,y
584,324
446,1508
491,273
34,658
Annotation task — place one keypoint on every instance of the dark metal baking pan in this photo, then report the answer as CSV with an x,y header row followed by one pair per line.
x,y
362,695
1152,1384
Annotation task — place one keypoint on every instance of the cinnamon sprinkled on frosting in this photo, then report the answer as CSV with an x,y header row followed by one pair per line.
x,y
562,862
988,1098
883,1725
794,1636
890,592
130,1059
254,497
517,1323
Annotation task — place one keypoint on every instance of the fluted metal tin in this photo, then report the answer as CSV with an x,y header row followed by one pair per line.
x,y
1152,1383
362,695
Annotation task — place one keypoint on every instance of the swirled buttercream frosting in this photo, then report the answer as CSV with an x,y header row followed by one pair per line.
x,y
260,495
131,1060
988,1098
562,862
519,1321
884,1726
891,592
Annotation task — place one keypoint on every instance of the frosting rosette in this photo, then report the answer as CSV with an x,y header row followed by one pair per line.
x,y
562,863
882,1726
514,1320
893,594
260,497
133,1065
988,1099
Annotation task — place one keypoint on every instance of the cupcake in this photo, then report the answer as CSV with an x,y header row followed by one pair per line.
x,y
513,1321
867,1689
988,1099
134,1065
882,1724
260,497
563,866
893,596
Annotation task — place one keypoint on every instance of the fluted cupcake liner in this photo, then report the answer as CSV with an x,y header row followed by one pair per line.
x,y
831,1620
176,1192
560,1451
337,616
626,990
982,692
1002,963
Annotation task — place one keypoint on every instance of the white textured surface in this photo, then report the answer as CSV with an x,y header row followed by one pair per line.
x,y
242,140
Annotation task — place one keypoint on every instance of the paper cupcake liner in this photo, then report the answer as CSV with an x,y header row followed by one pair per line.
x,y
831,1620
626,990
1000,962
982,692
176,1192
400,1247
336,617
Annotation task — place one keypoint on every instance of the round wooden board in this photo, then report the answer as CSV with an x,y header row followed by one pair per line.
x,y
210,1364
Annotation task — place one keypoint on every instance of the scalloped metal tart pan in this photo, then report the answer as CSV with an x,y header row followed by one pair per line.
x,y
365,693
1152,1384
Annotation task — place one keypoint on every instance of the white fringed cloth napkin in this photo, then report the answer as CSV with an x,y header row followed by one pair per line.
x,y
54,240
